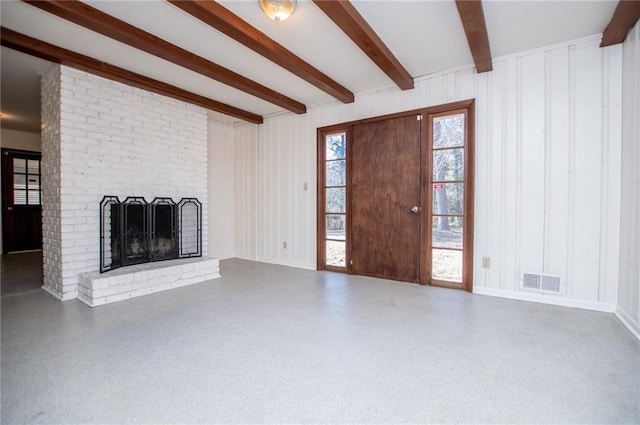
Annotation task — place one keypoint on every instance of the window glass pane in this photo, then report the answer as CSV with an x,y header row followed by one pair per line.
x,y
33,182
336,253
19,181
20,197
19,165
447,265
448,131
34,197
446,232
336,227
336,173
34,166
336,146
336,200
448,198
448,164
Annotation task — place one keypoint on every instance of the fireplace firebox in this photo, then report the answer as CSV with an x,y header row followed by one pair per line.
x,y
135,232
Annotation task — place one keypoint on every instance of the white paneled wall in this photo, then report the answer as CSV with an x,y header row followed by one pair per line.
x,y
245,191
547,170
629,290
221,192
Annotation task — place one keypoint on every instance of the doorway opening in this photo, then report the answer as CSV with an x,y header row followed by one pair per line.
x,y
21,201
395,196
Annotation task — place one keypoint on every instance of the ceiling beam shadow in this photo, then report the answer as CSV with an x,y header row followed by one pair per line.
x,y
349,20
100,22
230,24
475,28
49,52
624,18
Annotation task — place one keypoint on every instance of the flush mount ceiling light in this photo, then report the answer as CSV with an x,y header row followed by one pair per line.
x,y
278,10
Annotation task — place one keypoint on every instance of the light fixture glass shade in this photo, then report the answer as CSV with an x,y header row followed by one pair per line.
x,y
278,10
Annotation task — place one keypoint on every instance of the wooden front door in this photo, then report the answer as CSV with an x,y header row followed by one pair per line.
x,y
385,206
21,201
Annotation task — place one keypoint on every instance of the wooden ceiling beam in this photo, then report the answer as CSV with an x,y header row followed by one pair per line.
x,y
230,24
100,22
475,28
624,18
49,52
349,20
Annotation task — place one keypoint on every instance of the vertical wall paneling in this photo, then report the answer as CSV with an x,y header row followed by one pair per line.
x,y
509,256
557,162
629,265
587,171
571,170
531,161
221,189
245,190
483,154
495,217
610,165
546,165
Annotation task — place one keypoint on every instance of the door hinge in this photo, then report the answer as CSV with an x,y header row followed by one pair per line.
x,y
419,117
351,263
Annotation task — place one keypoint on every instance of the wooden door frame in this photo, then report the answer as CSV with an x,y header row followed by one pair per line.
x,y
425,269
468,199
7,180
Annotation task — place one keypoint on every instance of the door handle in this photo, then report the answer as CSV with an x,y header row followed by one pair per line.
x,y
9,208
415,210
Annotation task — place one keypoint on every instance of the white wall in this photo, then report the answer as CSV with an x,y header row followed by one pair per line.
x,y
547,170
111,139
14,139
245,191
221,169
629,289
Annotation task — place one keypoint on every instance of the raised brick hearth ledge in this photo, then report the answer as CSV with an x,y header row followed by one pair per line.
x,y
133,281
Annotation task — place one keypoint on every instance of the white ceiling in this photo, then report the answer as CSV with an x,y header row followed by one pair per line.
x,y
425,36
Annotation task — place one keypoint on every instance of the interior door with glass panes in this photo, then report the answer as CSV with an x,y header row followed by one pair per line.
x,y
21,201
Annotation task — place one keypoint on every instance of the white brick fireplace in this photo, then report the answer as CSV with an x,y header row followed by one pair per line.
x,y
100,137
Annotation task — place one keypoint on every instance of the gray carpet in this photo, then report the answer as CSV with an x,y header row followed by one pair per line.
x,y
268,344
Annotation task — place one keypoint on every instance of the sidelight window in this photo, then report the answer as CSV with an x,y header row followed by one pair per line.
x,y
335,187
448,203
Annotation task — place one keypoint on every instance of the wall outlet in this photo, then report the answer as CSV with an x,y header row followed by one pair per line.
x,y
486,262
284,244
306,186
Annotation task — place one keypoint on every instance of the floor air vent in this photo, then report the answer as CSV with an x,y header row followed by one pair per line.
x,y
542,283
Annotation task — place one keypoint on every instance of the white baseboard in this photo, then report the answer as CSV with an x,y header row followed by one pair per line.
x,y
288,264
546,299
628,321
242,257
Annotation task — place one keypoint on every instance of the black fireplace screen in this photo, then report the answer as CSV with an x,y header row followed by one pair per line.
x,y
135,232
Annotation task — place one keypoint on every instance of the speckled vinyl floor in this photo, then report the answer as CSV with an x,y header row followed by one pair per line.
x,y
20,272
267,344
